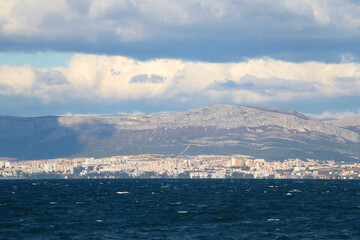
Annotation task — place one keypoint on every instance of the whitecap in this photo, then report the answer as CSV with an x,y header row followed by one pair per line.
x,y
35,183
295,190
288,194
123,192
99,220
174,203
182,212
79,203
273,219
53,203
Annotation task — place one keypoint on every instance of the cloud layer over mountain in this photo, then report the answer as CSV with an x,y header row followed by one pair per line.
x,y
101,78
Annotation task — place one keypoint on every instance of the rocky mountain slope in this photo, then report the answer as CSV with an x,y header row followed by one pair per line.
x,y
352,123
268,133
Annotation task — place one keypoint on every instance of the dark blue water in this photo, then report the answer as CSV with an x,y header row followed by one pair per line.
x,y
179,209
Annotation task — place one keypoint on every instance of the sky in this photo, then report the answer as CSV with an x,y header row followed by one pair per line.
x,y
144,56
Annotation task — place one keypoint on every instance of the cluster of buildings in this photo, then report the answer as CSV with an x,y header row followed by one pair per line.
x,y
160,166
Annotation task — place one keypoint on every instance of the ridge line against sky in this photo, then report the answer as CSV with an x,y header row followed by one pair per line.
x,y
148,56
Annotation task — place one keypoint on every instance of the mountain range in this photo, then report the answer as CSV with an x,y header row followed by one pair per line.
x,y
262,132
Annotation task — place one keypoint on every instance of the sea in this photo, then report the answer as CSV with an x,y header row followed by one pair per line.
x,y
179,209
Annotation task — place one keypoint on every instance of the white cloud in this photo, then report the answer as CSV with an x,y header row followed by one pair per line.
x,y
16,80
347,58
336,115
101,78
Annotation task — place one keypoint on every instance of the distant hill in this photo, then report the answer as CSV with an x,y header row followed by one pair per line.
x,y
263,132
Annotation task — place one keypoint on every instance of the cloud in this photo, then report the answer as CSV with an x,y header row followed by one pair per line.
x,y
112,26
128,18
99,79
144,78
336,115
347,57
16,80
265,85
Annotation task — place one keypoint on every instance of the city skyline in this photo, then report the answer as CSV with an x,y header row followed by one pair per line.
x,y
193,167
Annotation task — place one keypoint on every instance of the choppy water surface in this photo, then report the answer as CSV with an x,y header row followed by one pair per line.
x,y
179,209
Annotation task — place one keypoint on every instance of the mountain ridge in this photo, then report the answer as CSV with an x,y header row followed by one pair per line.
x,y
220,128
